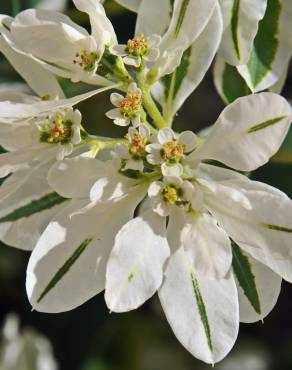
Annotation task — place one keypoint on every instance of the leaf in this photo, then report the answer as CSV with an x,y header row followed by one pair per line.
x,y
46,202
272,47
245,276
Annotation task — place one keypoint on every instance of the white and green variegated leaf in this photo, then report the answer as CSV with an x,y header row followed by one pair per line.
x,y
27,205
189,18
239,137
201,311
68,264
196,60
135,269
230,84
256,297
272,47
130,4
258,221
241,19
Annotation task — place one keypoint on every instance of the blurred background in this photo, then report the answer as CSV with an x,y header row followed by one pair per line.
x,y
90,338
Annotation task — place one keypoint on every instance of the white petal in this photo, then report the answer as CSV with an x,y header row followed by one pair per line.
x,y
189,139
114,113
74,177
165,135
144,131
131,61
155,188
207,246
123,122
248,132
116,99
82,243
135,268
134,164
119,50
171,170
202,313
154,158
136,121
161,208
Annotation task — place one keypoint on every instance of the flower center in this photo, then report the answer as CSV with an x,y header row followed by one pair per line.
x,y
172,151
138,46
137,146
58,131
170,194
131,105
86,60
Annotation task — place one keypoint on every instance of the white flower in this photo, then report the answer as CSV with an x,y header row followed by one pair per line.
x,y
138,49
133,154
168,151
61,45
129,108
173,191
189,258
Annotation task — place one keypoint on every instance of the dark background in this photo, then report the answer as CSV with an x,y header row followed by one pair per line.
x,y
89,338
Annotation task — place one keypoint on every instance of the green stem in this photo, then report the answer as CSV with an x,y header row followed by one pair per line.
x,y
148,101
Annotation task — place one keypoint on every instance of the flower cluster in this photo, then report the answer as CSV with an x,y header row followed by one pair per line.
x,y
155,210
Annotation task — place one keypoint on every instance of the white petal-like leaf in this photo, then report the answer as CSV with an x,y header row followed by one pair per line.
x,y
135,267
43,82
263,229
241,20
189,18
256,297
248,132
207,246
203,313
27,205
272,47
67,266
74,177
195,62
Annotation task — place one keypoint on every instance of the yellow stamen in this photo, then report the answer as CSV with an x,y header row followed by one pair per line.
x,y
172,151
